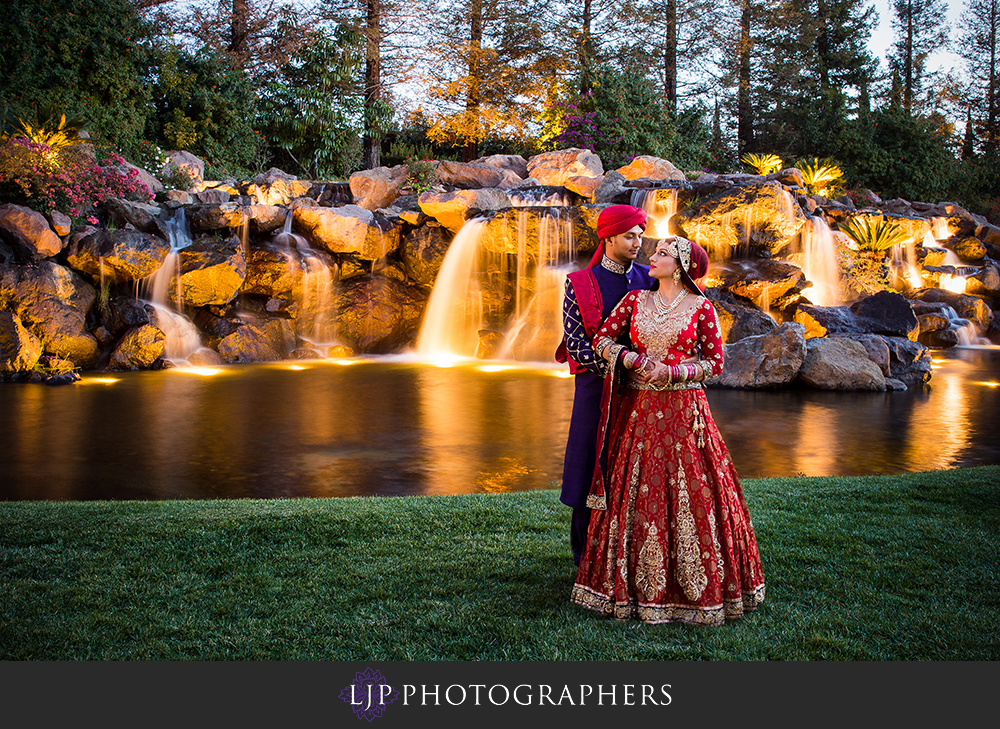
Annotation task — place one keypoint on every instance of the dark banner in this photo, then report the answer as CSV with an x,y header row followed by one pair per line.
x,y
398,694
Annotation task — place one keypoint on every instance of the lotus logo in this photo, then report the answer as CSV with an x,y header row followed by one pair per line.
x,y
369,694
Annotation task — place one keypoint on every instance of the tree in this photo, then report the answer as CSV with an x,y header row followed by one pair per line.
x,y
920,30
483,74
816,65
311,110
86,58
979,46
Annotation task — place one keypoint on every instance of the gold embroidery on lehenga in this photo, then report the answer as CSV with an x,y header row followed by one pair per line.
x,y
650,573
690,571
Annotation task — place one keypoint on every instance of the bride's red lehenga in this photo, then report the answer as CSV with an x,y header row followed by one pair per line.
x,y
670,536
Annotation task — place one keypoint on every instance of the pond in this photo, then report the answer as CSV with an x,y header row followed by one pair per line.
x,y
394,426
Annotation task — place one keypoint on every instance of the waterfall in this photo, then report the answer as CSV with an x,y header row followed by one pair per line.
x,y
819,263
502,300
182,336
660,205
315,322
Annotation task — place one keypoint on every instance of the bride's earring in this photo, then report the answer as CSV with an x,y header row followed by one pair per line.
x,y
677,275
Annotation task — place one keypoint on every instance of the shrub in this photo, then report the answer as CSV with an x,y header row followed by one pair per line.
x,y
71,182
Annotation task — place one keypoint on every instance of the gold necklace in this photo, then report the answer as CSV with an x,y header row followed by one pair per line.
x,y
662,308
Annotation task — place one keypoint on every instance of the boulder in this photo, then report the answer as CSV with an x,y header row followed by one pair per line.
x,y
909,361
266,219
650,168
52,303
967,248
840,364
124,255
28,233
984,282
122,313
211,272
272,270
213,195
968,307
277,191
555,168
61,223
763,281
585,187
210,217
186,161
138,349
377,188
885,312
743,221
139,215
875,346
612,189
379,316
263,341
424,249
452,209
512,162
347,229
19,348
764,360
473,175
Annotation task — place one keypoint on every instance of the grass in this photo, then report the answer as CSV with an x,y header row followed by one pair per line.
x,y
872,568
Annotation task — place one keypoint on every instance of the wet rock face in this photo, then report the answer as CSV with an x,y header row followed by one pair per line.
x,y
744,221
211,272
124,255
885,313
19,348
379,315
138,349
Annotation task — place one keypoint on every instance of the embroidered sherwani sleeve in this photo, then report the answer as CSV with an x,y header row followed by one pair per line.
x,y
607,340
578,345
710,340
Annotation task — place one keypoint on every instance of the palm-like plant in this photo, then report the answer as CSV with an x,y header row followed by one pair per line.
x,y
57,133
878,236
819,175
763,164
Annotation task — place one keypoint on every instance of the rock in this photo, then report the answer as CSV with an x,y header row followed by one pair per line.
x,y
452,209
379,316
140,215
738,319
264,341
19,348
909,361
886,313
123,313
273,174
138,349
266,219
840,364
205,357
377,188
585,187
555,168
423,250
612,189
272,270
513,162
762,281
278,191
124,255
764,360
789,177
651,168
472,175
27,232
875,346
52,303
743,221
968,248
211,272
211,217
968,307
186,161
347,229
984,282
60,223
145,177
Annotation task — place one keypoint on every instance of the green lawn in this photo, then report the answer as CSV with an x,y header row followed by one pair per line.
x,y
871,568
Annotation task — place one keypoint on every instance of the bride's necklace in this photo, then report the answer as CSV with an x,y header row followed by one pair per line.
x,y
663,308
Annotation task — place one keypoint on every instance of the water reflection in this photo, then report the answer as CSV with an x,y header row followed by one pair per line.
x,y
393,427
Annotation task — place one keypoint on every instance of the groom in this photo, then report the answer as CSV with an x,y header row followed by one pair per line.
x,y
591,294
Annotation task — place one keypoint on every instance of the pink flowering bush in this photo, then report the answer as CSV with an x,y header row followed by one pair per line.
x,y
69,181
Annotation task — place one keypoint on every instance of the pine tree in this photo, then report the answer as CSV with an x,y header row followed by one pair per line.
x,y
920,30
979,46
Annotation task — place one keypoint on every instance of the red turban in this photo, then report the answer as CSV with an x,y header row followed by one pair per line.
x,y
615,220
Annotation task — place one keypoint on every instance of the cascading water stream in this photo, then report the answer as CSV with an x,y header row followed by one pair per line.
x,y
315,322
164,294
819,263
660,206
